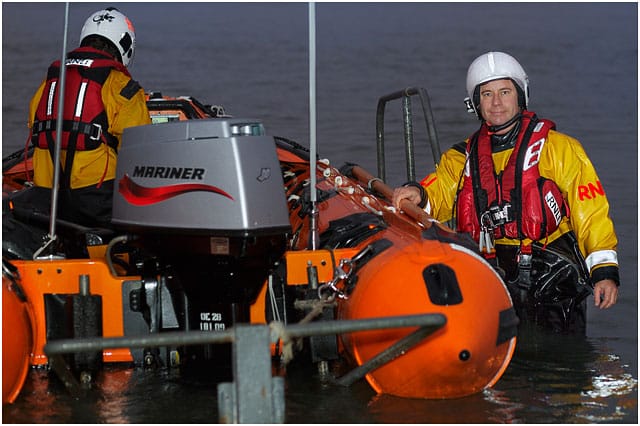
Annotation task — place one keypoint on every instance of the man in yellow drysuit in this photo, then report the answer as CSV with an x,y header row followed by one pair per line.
x,y
530,197
101,100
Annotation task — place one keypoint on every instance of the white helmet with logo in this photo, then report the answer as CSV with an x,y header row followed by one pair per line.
x,y
495,66
115,27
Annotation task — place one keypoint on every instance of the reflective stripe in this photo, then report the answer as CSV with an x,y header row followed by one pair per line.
x,y
601,257
52,91
80,102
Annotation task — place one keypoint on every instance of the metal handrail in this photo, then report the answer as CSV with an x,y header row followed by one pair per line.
x,y
405,95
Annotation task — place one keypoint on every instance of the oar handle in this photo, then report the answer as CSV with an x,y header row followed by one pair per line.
x,y
413,211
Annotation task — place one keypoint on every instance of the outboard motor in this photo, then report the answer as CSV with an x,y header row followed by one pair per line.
x,y
206,198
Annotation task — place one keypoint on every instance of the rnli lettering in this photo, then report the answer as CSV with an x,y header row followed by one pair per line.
x,y
532,156
553,206
590,191
211,321
160,172
80,62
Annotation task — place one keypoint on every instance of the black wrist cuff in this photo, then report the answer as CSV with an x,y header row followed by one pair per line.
x,y
605,273
423,193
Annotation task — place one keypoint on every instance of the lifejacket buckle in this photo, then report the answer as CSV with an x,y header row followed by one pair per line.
x,y
500,216
98,131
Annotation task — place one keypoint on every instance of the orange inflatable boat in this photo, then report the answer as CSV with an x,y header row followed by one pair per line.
x,y
169,266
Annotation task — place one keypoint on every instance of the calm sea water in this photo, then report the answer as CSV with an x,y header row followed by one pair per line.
x,y
252,58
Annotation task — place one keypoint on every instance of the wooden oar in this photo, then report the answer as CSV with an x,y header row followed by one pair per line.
x,y
412,210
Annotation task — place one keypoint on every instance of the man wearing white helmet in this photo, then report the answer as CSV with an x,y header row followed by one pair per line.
x,y
101,100
530,197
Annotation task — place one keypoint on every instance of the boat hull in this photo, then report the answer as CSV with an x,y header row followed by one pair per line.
x,y
43,279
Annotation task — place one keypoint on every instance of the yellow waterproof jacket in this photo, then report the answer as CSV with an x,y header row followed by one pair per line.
x,y
562,160
89,167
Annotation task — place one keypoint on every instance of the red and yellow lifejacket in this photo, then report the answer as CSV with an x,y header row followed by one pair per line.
x,y
517,203
85,125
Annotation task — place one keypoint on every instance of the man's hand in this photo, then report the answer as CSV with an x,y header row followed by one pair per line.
x,y
410,193
605,293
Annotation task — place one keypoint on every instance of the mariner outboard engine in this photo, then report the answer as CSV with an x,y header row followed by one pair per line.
x,y
206,198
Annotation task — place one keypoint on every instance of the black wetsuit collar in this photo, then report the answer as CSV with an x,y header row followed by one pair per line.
x,y
506,140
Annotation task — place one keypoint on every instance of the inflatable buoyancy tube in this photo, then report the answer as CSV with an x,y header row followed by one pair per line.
x,y
468,354
17,339
411,271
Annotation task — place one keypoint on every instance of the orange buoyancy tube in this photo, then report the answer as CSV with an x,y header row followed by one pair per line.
x,y
415,270
17,339
472,350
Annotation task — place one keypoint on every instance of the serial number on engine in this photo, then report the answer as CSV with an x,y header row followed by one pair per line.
x,y
211,321
210,316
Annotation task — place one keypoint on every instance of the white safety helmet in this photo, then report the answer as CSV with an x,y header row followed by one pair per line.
x,y
115,27
495,66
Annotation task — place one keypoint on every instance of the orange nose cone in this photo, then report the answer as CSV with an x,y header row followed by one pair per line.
x,y
468,354
17,342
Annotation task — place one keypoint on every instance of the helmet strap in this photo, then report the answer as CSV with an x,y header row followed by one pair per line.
x,y
496,129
